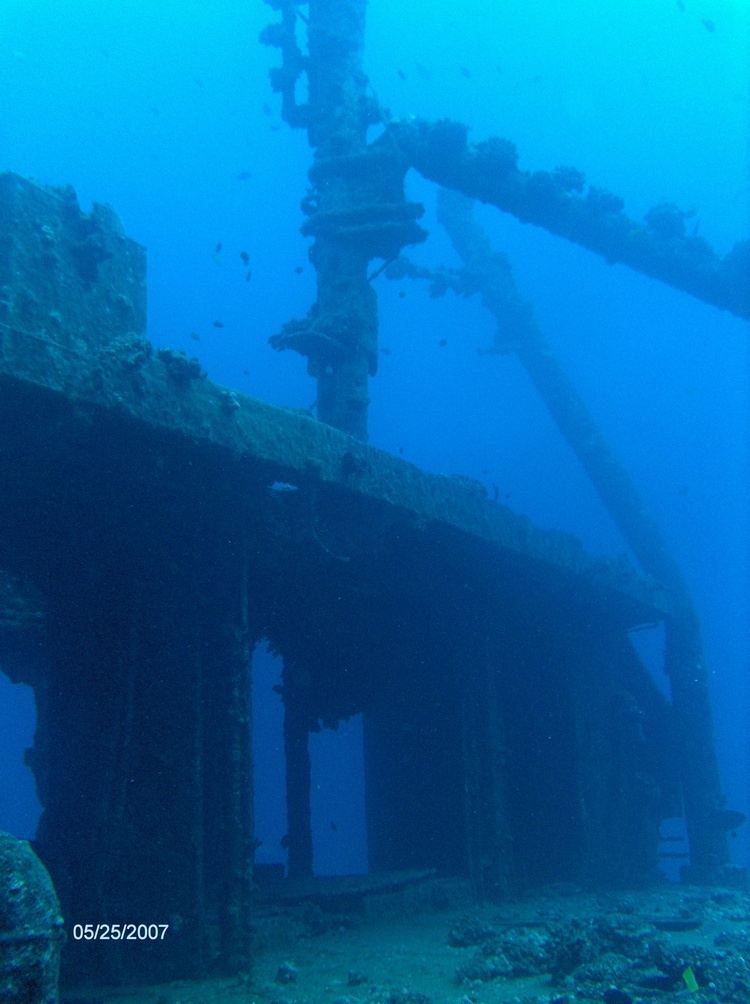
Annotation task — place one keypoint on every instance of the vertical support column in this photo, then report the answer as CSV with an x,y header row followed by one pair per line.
x,y
489,844
415,771
199,818
298,723
299,828
343,374
699,770
498,823
235,907
120,771
337,127
356,208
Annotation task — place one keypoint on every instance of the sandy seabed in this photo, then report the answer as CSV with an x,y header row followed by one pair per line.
x,y
556,946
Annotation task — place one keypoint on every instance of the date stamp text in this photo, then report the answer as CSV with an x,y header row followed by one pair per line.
x,y
119,932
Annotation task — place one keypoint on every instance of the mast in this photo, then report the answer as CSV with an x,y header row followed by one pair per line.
x,y
356,211
355,205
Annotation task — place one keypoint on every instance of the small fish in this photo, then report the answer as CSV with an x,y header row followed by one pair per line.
x,y
495,493
218,324
246,372
401,294
195,336
299,270
681,6
334,827
216,259
401,74
244,176
245,258
248,275
282,486
443,342
384,351
708,24
217,249
465,72
198,82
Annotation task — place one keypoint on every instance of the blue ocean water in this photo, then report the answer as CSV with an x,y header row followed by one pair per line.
x,y
165,112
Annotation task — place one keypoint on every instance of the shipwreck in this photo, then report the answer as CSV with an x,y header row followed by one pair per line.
x,y
144,554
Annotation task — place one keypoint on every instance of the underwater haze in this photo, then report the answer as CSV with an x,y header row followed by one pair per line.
x,y
165,111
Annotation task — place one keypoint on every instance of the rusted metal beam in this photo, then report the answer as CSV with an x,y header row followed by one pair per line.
x,y
489,274
659,248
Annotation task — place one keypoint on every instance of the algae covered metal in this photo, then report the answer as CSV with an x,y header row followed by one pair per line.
x,y
31,926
